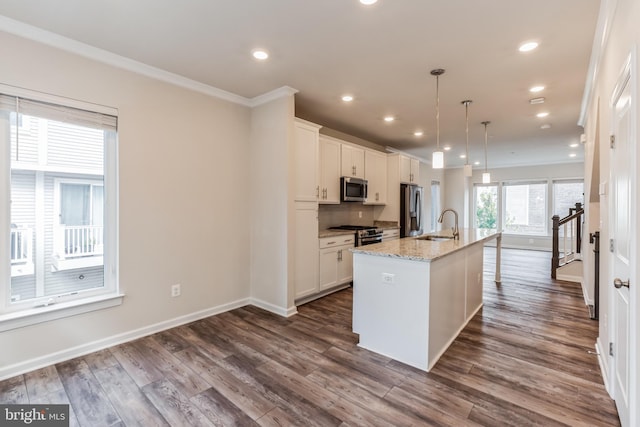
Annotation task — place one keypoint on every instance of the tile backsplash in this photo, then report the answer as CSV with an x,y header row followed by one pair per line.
x,y
344,214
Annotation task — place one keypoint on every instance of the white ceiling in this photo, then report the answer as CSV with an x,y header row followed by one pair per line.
x,y
382,54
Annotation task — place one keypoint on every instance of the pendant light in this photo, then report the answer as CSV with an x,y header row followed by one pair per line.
x,y
486,176
468,170
437,161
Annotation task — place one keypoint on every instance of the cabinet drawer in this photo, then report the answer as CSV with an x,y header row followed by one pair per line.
x,y
390,234
328,242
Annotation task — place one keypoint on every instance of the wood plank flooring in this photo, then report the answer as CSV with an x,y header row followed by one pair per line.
x,y
525,359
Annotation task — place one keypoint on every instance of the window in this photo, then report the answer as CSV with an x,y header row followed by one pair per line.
x,y
525,208
486,206
61,173
566,193
435,204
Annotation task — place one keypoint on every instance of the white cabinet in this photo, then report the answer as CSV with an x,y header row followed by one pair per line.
x,y
375,172
409,170
336,261
390,234
306,249
306,161
329,170
352,161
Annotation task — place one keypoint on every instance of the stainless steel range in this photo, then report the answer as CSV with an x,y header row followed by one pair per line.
x,y
365,235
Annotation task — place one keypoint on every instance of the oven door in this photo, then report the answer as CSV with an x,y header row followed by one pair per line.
x,y
370,240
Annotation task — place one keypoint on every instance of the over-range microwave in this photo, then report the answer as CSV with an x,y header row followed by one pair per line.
x,y
353,189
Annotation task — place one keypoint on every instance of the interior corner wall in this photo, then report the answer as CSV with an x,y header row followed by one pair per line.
x,y
268,168
182,219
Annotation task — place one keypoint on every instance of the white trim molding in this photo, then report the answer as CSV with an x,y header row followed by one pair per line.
x,y
84,349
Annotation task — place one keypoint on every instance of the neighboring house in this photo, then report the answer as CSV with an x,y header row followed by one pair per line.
x,y
56,208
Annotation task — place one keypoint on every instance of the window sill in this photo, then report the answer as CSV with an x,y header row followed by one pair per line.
x,y
74,263
57,311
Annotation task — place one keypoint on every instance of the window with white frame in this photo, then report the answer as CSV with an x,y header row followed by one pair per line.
x,y
59,171
566,193
486,206
525,208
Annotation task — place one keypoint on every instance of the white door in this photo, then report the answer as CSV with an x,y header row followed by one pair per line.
x,y
622,202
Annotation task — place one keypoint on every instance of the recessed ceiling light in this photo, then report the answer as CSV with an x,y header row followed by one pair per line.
x,y
260,54
543,114
347,98
536,89
572,155
527,47
463,156
447,148
368,2
574,145
545,126
476,163
389,119
418,133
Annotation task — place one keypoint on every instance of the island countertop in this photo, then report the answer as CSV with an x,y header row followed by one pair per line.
x,y
413,248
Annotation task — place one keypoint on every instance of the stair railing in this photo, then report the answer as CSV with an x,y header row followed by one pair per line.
x,y
571,238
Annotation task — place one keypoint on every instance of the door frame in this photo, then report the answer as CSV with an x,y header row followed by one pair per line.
x,y
629,71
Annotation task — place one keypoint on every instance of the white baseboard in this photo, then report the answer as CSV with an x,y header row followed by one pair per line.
x,y
288,312
569,278
84,349
600,351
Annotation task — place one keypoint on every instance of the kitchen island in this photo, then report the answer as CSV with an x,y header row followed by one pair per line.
x,y
412,297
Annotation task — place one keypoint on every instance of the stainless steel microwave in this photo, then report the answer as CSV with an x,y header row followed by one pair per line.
x,y
353,189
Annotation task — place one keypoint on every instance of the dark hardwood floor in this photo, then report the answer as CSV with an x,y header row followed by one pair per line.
x,y
525,359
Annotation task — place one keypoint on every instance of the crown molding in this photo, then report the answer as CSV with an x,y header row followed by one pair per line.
x,y
280,92
39,35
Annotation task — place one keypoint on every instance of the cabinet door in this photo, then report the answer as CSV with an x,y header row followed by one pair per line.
x,y
352,161
329,171
375,172
306,253
405,169
328,267
415,171
306,162
345,264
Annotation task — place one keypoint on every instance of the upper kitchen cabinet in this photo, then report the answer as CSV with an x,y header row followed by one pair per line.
x,y
329,170
306,161
409,170
352,161
375,172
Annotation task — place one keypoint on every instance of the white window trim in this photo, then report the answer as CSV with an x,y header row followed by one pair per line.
x,y
16,316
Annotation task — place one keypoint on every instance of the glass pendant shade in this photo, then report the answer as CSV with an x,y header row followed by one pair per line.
x,y
486,178
468,170
437,161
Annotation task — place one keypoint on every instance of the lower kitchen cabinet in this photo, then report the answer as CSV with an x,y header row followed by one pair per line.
x,y
336,261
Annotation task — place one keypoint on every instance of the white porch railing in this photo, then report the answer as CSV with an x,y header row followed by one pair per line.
x,y
21,245
74,241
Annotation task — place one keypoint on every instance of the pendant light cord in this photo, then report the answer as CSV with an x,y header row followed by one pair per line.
x,y
485,145
438,112
466,108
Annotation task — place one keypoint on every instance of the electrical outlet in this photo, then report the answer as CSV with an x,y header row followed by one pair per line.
x,y
175,290
479,279
388,278
359,214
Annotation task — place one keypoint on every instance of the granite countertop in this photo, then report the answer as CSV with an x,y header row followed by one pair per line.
x,y
334,233
414,249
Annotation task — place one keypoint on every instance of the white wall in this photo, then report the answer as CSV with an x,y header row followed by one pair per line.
x,y
620,18
183,157
271,145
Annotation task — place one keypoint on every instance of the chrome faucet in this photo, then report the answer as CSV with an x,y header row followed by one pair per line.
x,y
456,232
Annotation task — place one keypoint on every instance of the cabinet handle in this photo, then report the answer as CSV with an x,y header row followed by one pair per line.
x,y
340,255
377,196
353,170
331,243
325,194
318,191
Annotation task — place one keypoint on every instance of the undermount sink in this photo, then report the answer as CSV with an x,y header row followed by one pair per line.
x,y
435,238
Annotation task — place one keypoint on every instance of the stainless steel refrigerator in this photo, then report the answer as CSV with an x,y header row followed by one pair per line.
x,y
411,203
